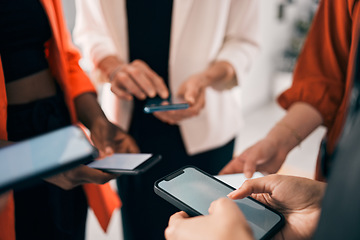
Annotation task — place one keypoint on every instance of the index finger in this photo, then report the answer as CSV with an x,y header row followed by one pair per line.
x,y
157,81
258,185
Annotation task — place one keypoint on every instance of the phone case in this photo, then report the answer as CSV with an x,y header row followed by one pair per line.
x,y
139,169
192,212
155,105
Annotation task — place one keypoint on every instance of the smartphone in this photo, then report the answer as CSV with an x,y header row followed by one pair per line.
x,y
158,104
126,163
27,161
193,190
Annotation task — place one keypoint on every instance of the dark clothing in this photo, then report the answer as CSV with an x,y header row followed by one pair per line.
x,y
24,28
145,215
44,211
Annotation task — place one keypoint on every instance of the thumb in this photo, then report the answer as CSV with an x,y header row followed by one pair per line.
x,y
189,92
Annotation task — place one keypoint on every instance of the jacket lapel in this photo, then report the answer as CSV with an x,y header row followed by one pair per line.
x,y
181,11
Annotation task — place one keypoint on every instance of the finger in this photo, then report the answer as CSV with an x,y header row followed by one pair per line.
x,y
141,80
125,81
91,175
189,91
258,185
249,168
178,217
121,93
236,165
157,81
164,117
223,204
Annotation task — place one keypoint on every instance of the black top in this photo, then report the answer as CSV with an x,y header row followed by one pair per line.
x,y
24,28
149,26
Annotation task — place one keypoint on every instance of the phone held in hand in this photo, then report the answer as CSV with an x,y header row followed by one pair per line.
x,y
193,190
30,160
158,104
126,163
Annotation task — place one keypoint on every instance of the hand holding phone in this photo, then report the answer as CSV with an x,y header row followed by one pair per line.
x,y
126,163
30,160
192,190
158,104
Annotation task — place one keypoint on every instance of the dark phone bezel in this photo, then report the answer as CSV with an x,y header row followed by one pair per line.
x,y
192,212
29,180
143,167
154,105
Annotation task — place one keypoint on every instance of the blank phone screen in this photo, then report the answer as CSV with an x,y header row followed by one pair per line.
x,y
44,153
198,191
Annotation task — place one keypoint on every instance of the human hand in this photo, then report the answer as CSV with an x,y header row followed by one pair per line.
x,y
225,221
78,176
137,79
193,92
299,199
109,138
264,156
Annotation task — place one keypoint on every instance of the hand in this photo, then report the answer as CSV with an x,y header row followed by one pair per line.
x,y
225,221
3,200
193,92
264,156
78,176
137,79
299,199
109,138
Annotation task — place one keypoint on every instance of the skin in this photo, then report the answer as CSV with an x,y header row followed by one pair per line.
x,y
107,137
223,216
268,154
136,79
301,209
298,199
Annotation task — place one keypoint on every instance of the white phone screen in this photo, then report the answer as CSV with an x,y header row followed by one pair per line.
x,y
198,191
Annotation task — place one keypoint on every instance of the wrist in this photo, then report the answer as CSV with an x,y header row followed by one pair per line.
x,y
110,66
283,137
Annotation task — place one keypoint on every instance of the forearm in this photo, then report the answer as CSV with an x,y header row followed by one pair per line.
x,y
301,119
88,110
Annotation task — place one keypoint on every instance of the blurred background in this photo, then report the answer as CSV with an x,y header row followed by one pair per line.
x,y
283,30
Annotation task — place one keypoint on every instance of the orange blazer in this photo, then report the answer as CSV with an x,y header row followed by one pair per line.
x,y
323,75
63,61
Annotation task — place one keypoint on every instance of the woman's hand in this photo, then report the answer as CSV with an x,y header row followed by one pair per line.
x,y
78,176
264,156
193,92
299,199
133,79
225,221
109,138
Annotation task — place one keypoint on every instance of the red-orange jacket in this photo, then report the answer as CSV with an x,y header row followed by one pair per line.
x,y
323,75
63,61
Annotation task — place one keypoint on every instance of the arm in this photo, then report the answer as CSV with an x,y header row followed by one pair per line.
x,y
315,96
233,61
269,154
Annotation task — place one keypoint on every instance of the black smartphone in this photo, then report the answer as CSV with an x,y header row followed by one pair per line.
x,y
126,163
193,190
25,162
158,104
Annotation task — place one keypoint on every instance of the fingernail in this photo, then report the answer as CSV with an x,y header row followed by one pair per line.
x,y
108,151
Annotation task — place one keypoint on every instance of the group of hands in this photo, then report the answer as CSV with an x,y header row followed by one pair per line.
x,y
301,208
